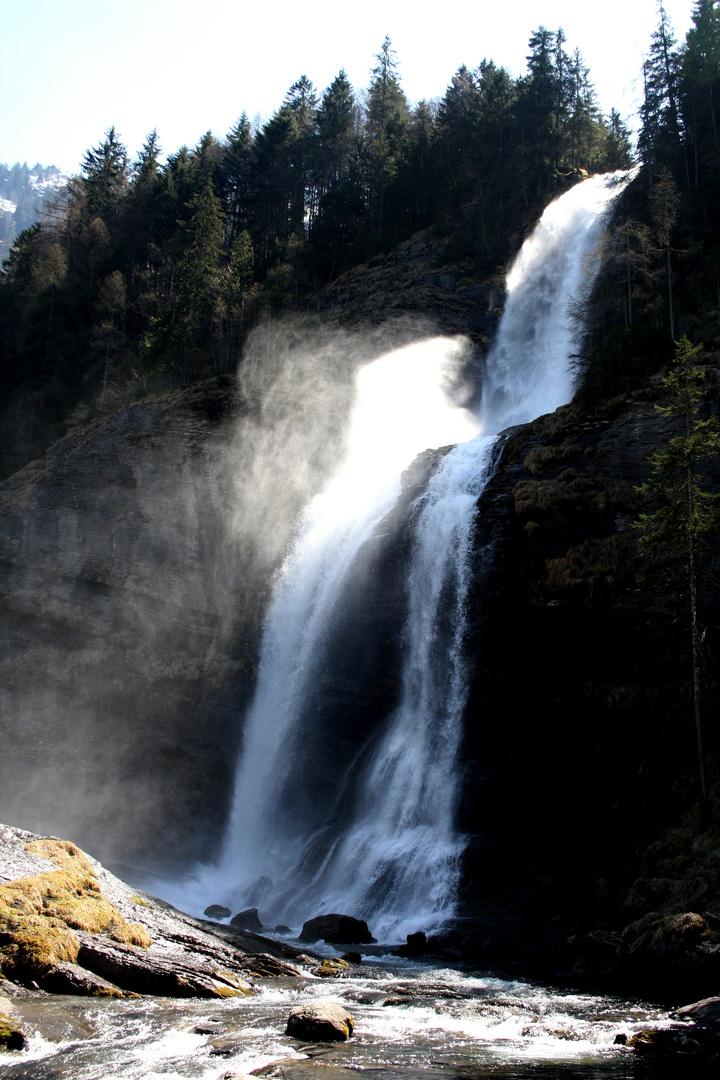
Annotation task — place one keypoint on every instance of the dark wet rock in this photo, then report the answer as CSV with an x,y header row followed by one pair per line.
x,y
217,911
416,945
247,920
664,1041
320,1021
670,940
352,957
337,930
263,966
282,929
72,979
705,1013
407,280
166,976
121,592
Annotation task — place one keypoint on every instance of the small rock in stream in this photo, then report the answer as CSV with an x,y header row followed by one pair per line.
x,y
320,1021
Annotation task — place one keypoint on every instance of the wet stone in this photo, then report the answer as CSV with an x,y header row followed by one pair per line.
x,y
321,1021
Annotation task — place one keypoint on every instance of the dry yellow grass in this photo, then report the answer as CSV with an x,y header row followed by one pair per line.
x,y
38,915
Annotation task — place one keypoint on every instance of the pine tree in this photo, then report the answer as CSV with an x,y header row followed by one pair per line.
x,y
387,127
104,173
236,178
700,90
659,141
145,166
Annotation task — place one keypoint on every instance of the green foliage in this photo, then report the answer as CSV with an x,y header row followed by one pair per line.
x,y
104,171
685,510
152,273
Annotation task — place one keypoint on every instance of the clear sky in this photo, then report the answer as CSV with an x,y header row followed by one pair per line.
x,y
71,68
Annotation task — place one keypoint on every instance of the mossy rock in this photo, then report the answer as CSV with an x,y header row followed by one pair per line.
x,y
11,1038
38,915
332,968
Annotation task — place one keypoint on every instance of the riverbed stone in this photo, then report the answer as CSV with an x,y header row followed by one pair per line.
x,y
247,920
329,969
320,1021
337,930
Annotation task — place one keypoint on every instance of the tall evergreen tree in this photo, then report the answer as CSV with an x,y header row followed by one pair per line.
x,y
236,178
659,141
388,118
700,91
104,173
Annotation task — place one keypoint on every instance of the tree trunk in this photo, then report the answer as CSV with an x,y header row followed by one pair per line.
x,y
670,296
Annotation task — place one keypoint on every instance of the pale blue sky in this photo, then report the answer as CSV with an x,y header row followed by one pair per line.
x,y
71,68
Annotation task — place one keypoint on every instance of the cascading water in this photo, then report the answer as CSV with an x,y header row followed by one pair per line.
x,y
394,858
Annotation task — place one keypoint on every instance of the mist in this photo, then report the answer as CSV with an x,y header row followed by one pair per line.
x,y
138,560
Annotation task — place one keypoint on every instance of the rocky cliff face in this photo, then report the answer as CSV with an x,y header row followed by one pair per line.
x,y
581,788
129,623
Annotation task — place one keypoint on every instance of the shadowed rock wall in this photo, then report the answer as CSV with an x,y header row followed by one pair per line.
x,y
129,621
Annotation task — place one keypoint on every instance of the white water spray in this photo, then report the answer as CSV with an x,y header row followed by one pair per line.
x,y
395,862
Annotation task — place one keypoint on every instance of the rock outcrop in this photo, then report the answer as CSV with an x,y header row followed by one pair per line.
x,y
67,929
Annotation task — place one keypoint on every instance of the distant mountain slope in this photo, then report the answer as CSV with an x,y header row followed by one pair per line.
x,y
24,192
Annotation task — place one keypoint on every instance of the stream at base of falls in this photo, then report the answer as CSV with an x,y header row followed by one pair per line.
x,y
412,1020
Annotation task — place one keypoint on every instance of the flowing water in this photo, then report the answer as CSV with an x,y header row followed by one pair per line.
x,y
394,860
411,1022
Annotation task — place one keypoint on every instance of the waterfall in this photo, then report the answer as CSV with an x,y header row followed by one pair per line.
x,y
389,850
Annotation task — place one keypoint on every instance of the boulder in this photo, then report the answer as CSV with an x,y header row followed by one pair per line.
x,y
217,911
247,920
416,945
337,930
706,1013
352,957
320,1021
674,938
